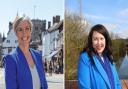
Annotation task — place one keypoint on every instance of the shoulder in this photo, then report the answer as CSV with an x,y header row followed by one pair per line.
x,y
84,57
35,51
9,58
10,55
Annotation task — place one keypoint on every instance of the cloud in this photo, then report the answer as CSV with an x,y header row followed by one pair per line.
x,y
115,28
115,24
123,33
123,21
95,16
111,26
123,12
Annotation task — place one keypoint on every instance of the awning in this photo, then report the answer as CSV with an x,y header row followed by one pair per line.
x,y
52,54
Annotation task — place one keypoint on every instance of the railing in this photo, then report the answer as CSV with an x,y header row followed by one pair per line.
x,y
124,84
72,84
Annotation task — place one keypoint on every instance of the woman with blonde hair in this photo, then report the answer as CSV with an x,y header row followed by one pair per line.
x,y
23,66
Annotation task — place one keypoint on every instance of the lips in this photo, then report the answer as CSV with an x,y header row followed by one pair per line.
x,y
25,38
99,47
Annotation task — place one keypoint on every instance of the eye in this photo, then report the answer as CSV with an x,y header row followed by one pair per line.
x,y
102,38
27,29
95,38
19,29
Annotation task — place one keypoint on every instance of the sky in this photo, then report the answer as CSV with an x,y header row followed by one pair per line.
x,y
38,9
111,13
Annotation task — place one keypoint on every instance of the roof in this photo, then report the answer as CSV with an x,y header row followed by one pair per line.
x,y
52,54
56,26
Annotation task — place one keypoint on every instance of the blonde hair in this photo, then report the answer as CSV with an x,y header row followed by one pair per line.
x,y
18,20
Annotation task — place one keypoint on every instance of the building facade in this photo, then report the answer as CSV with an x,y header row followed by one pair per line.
x,y
52,47
11,42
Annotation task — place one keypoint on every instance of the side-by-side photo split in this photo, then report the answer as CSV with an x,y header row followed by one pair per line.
x,y
64,44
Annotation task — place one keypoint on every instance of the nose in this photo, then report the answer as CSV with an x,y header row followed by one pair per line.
x,y
99,41
24,33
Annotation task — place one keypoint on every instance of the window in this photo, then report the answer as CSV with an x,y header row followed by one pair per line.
x,y
36,28
16,41
8,41
9,50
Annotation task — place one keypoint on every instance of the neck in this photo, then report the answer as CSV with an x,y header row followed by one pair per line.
x,y
25,49
100,54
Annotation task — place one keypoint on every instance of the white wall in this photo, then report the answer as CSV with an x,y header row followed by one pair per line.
x,y
10,42
45,44
53,37
12,38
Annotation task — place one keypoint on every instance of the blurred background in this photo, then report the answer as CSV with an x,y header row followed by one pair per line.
x,y
80,16
47,37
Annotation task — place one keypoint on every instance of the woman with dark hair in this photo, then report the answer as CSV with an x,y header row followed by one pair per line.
x,y
96,69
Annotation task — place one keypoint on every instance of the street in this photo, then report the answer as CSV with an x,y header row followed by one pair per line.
x,y
2,83
56,81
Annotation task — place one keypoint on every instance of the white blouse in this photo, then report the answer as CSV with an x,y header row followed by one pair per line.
x,y
35,78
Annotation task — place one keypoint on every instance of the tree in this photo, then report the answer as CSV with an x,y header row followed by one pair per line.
x,y
75,40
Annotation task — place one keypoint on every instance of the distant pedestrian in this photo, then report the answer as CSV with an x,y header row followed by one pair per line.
x,y
45,65
50,68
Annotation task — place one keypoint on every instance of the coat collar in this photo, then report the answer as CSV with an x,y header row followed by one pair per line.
x,y
23,58
21,55
101,71
37,59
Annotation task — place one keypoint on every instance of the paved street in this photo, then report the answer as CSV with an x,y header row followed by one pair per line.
x,y
56,81
2,83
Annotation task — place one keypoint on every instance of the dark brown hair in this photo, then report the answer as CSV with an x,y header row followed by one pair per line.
x,y
89,48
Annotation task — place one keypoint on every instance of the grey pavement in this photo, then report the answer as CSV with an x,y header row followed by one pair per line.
x,y
2,82
56,81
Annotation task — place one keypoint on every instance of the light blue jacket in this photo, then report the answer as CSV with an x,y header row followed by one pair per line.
x,y
93,76
17,72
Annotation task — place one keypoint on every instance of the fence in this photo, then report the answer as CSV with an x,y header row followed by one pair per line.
x,y
73,84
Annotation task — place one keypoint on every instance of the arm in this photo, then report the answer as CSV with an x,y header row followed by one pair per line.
x,y
10,72
83,73
118,83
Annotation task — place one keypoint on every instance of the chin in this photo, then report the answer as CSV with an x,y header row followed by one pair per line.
x,y
25,43
99,52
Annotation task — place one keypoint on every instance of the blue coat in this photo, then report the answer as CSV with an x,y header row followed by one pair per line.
x,y
93,76
17,72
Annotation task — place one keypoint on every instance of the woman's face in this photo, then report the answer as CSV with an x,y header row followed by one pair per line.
x,y
23,32
98,42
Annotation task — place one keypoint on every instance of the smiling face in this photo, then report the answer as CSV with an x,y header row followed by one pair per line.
x,y
23,33
98,42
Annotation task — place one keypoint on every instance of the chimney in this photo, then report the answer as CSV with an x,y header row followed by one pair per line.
x,y
3,37
10,26
0,38
44,24
54,19
49,24
57,18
